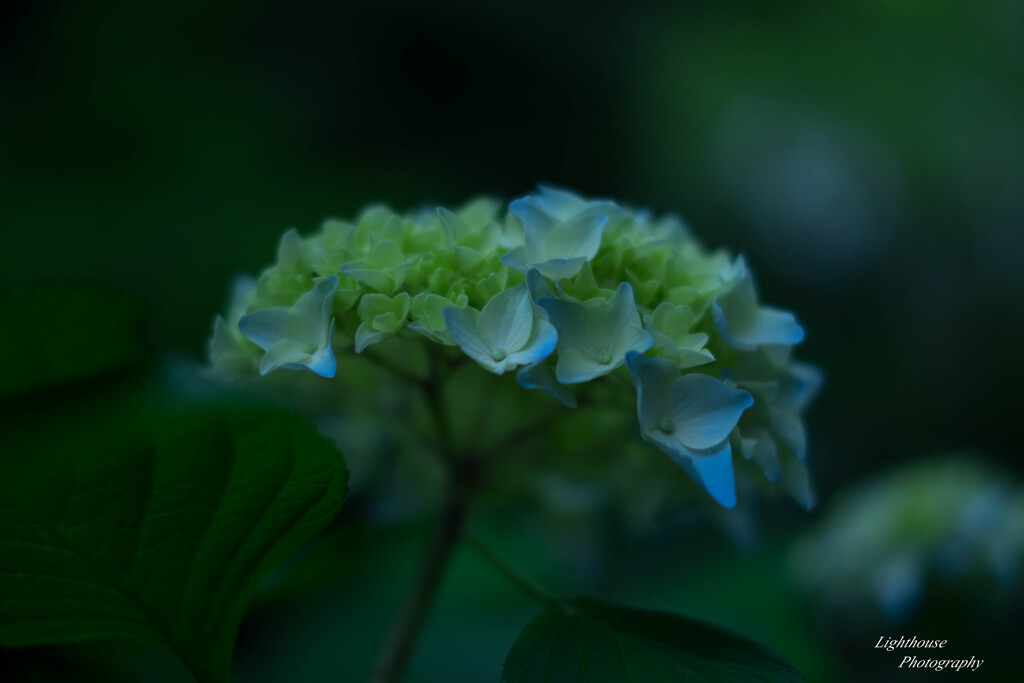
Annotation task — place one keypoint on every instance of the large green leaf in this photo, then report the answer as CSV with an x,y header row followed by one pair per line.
x,y
591,641
157,528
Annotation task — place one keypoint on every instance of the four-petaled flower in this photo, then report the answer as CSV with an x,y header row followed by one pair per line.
x,y
556,245
594,336
690,418
507,333
296,337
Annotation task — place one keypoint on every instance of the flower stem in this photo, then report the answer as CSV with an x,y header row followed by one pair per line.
x,y
398,649
524,583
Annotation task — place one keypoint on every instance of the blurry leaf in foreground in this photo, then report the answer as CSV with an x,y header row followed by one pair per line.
x,y
58,334
158,529
593,641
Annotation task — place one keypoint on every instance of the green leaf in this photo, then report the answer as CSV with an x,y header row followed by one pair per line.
x,y
57,334
157,528
591,641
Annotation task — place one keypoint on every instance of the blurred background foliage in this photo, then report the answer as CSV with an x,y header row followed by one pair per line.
x,y
867,156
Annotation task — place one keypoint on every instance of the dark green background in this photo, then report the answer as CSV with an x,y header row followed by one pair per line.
x,y
867,156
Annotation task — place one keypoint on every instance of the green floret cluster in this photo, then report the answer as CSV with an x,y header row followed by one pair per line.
x,y
560,289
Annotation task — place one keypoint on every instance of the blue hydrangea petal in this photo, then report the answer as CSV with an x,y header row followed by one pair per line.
x,y
744,326
309,319
462,325
713,472
569,319
760,447
653,377
575,238
537,225
705,410
630,337
516,260
540,345
802,385
559,268
506,321
559,202
265,327
323,362
540,376
538,288
594,337
574,367
564,204
617,312
618,322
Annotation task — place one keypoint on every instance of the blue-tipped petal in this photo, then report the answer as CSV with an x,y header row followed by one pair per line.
x,y
743,325
713,472
541,344
690,418
323,362
540,376
516,259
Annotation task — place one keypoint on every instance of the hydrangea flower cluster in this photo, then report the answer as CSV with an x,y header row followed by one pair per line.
x,y
562,291
941,521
